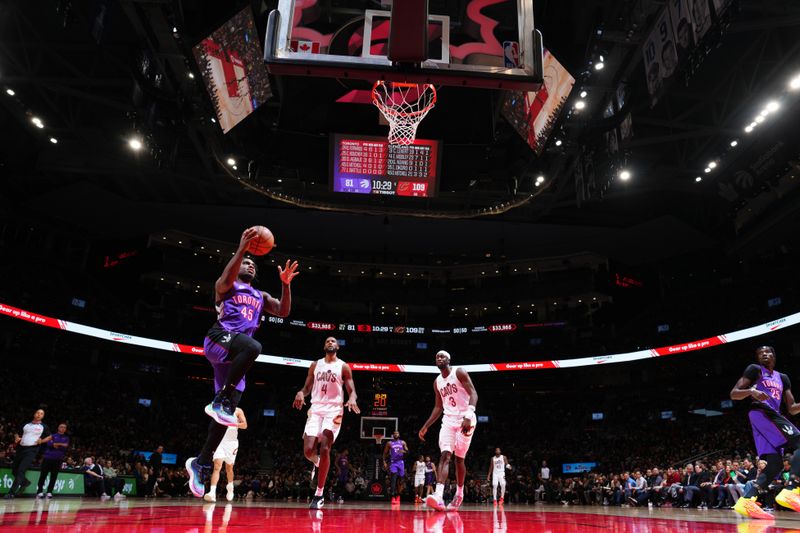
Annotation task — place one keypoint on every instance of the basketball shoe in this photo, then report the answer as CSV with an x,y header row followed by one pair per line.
x,y
197,476
434,503
789,498
456,503
220,409
748,507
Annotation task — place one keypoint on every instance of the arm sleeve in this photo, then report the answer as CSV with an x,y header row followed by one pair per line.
x,y
787,383
45,431
753,373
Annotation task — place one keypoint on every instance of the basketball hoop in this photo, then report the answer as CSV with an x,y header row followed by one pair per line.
x,y
378,438
404,105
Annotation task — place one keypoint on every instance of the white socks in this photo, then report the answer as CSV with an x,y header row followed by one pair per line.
x,y
439,490
320,491
460,491
229,487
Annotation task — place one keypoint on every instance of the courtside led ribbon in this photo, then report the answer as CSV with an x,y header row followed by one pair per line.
x,y
742,334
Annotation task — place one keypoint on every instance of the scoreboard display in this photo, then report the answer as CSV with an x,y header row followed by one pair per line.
x,y
370,165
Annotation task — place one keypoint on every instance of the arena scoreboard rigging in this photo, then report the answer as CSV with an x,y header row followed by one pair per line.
x,y
370,165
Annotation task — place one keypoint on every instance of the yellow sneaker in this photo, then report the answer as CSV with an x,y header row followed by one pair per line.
x,y
789,498
748,507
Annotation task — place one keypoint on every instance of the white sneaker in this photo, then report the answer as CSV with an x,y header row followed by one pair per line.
x,y
49,495
40,495
105,497
229,496
210,497
119,496
434,503
456,503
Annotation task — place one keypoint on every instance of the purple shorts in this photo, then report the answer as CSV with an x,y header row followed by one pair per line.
x,y
398,468
216,346
772,432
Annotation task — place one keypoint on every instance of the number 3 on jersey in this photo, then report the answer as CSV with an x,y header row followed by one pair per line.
x,y
247,313
452,401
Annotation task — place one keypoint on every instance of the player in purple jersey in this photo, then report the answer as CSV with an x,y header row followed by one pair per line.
x,y
230,348
395,450
772,432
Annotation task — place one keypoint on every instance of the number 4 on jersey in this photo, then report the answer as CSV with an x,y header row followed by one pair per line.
x,y
325,389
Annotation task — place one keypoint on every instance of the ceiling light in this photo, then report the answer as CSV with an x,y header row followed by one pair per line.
x,y
748,129
135,143
213,120
734,143
773,106
712,164
795,83
760,118
231,161
559,142
584,94
698,179
540,178
624,175
599,66
537,184
53,140
580,104
10,92
235,167
707,170
753,124
191,76
37,122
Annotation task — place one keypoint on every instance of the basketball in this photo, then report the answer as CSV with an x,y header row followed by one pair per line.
x,y
263,243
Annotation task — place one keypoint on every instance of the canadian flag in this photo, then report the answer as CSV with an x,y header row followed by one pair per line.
x,y
304,46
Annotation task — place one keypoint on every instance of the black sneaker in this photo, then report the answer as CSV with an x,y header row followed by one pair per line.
x,y
317,502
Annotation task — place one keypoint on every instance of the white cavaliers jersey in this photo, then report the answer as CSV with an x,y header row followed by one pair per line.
x,y
455,398
327,389
231,434
498,466
419,468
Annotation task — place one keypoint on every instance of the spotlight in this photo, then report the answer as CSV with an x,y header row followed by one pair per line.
x,y
191,76
235,167
773,106
53,140
10,92
37,122
795,83
135,143
698,179
760,118
599,66
748,129
231,161
753,124
734,143
712,164
584,94
537,184
539,178
624,175
213,120
580,104
559,142
707,170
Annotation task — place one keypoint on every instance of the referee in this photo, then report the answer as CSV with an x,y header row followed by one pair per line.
x,y
34,434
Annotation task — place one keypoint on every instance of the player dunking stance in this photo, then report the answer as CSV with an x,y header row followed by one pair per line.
x,y
395,450
497,474
456,395
324,381
772,432
230,348
226,453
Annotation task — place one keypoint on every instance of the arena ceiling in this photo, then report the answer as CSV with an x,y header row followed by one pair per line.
x,y
94,77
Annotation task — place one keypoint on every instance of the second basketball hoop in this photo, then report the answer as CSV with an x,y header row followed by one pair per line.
x,y
404,105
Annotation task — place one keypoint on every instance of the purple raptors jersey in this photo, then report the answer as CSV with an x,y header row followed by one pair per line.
x,y
240,309
772,384
396,451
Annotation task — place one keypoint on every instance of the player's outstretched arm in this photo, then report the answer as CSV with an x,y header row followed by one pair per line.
x,y
791,406
283,306
300,397
350,385
231,272
435,414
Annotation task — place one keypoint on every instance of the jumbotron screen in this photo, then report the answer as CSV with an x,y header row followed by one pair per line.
x,y
370,165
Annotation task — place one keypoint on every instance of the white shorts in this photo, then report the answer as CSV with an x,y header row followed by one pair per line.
x,y
451,439
227,451
501,479
419,481
324,418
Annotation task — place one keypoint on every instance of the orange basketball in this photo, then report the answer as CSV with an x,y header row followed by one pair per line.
x,y
262,244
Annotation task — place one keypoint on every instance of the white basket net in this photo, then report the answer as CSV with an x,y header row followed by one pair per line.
x,y
404,105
